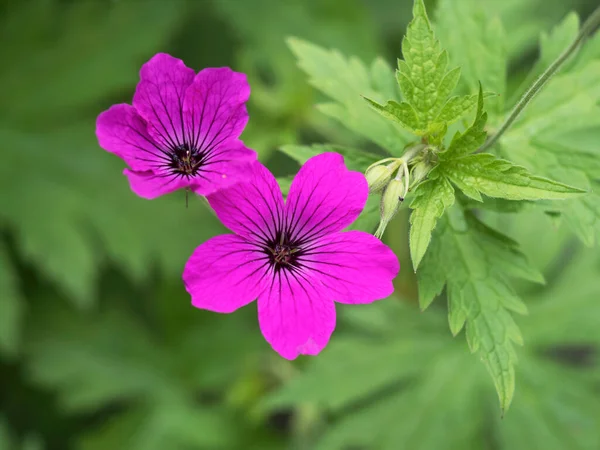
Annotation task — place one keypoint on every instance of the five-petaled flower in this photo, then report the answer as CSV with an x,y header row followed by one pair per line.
x,y
182,130
293,256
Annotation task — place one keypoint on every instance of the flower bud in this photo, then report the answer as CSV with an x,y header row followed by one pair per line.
x,y
392,196
378,177
419,172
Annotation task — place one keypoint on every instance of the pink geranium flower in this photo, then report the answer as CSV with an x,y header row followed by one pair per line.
x,y
293,255
182,130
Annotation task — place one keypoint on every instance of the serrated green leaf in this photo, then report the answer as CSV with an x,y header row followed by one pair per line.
x,y
569,102
402,113
456,107
507,255
345,80
469,141
422,75
566,111
11,305
354,159
572,157
475,262
552,45
477,46
446,388
431,199
486,174
423,67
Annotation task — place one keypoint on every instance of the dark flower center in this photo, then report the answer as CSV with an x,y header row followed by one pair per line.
x,y
282,253
186,160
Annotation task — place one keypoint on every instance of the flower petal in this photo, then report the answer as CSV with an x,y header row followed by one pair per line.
x,y
214,107
225,273
351,267
252,209
324,197
293,318
122,131
148,184
230,165
159,97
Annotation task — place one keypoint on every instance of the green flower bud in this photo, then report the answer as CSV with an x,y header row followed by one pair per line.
x,y
378,177
392,196
419,172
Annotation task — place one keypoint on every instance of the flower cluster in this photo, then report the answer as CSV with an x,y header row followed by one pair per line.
x,y
290,255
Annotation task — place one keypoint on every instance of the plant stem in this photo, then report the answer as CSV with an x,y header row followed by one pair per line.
x,y
587,28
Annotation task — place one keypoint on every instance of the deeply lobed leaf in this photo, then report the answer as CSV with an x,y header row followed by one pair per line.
x,y
475,262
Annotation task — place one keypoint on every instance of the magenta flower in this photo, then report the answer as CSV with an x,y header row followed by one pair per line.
x,y
182,130
292,256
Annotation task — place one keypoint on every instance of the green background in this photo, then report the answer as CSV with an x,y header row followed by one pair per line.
x,y
100,347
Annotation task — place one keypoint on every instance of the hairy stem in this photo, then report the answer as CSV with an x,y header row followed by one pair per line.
x,y
587,28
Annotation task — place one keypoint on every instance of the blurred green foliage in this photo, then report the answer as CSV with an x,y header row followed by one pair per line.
x,y
99,345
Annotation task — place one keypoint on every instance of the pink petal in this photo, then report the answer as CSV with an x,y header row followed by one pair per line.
x,y
230,165
324,197
214,107
122,131
292,316
159,97
252,209
351,267
225,273
151,185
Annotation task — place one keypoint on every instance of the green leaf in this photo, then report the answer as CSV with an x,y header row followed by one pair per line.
x,y
477,46
354,159
402,113
476,262
431,199
565,114
571,157
424,80
424,65
438,391
345,80
456,107
569,102
469,141
486,174
552,45
11,305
